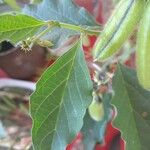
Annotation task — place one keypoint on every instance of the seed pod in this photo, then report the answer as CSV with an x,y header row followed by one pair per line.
x,y
143,50
118,28
96,110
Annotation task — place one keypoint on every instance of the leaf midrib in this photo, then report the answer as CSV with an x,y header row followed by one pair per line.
x,y
61,103
66,86
53,89
16,29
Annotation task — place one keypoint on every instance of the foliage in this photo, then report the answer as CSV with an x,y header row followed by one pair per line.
x,y
132,103
63,11
63,94
57,100
18,27
13,4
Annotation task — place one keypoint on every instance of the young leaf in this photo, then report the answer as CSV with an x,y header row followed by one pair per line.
x,y
60,101
63,11
93,131
18,27
132,103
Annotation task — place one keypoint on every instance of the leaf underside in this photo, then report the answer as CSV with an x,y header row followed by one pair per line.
x,y
133,112
60,101
63,11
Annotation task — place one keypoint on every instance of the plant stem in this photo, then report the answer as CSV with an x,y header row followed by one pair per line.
x,y
75,27
42,33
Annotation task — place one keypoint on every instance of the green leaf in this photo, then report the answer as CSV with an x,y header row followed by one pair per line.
x,y
93,131
63,11
60,101
18,27
13,4
133,109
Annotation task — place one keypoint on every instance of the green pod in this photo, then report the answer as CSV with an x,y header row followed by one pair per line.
x,y
96,110
143,50
118,28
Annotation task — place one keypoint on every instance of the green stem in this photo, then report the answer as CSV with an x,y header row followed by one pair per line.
x,y
75,27
42,33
